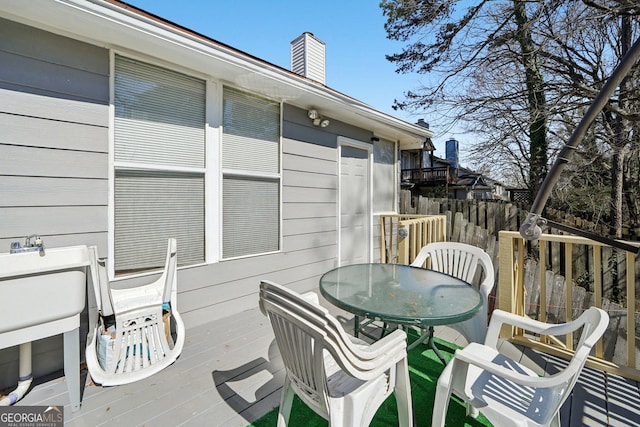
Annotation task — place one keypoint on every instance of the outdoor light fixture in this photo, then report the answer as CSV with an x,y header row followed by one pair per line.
x,y
317,119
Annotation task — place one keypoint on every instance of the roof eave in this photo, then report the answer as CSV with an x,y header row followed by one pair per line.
x,y
116,25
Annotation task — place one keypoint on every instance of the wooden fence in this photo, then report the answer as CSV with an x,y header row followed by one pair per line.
x,y
479,222
554,309
597,273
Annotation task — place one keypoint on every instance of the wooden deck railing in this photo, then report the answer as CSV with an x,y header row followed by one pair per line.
x,y
421,175
618,351
402,236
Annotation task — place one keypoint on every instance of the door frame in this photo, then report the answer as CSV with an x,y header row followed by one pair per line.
x,y
344,141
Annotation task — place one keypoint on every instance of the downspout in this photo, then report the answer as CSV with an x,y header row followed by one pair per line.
x,y
25,377
530,229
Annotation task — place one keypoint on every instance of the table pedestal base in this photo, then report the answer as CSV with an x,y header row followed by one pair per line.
x,y
428,337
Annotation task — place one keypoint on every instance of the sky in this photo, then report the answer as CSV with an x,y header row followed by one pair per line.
x,y
352,30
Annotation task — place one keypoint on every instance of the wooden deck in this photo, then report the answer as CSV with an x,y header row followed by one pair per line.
x,y
230,374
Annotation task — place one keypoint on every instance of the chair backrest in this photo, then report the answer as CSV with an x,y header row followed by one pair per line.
x,y
593,323
304,331
460,260
300,330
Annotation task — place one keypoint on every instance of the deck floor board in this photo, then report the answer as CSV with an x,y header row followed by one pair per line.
x,y
230,374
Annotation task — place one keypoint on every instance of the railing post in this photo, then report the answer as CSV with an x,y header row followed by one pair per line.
x,y
383,239
403,244
631,304
506,279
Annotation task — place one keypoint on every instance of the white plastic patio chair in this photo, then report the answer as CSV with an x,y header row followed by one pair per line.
x,y
507,392
341,378
141,344
462,261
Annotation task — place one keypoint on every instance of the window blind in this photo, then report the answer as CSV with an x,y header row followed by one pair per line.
x,y
159,121
251,170
152,206
384,176
159,115
251,127
251,216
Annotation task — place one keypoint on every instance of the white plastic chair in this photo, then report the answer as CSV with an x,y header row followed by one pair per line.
x,y
507,392
462,260
142,343
339,377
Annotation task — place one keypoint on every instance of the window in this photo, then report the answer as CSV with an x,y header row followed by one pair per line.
x,y
384,176
159,189
251,174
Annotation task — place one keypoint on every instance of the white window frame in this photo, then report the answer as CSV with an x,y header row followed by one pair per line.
x,y
211,170
248,174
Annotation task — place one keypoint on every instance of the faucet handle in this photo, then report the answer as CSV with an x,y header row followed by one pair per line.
x,y
32,240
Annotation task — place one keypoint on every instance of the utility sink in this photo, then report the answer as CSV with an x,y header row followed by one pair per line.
x,y
41,286
42,293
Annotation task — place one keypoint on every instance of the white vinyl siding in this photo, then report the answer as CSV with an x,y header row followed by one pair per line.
x,y
384,176
251,175
159,138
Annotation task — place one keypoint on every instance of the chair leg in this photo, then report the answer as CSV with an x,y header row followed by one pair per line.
x,y
472,411
71,340
403,394
349,416
286,401
443,395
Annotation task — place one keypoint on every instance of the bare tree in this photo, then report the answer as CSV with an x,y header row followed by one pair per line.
x,y
495,39
520,74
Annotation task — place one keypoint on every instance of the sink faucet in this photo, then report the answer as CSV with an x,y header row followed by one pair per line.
x,y
31,244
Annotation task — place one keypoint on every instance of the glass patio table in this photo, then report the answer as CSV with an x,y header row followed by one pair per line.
x,y
401,294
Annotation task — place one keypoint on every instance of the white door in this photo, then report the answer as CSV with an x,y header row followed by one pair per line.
x,y
355,207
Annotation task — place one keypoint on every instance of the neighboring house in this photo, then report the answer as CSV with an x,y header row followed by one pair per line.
x,y
430,176
474,185
121,129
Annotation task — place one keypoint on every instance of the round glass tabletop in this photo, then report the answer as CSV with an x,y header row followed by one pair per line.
x,y
400,294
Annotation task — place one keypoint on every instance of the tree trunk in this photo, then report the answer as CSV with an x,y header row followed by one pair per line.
x,y
621,141
538,160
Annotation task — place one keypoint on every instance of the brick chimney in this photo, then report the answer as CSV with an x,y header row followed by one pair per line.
x,y
308,57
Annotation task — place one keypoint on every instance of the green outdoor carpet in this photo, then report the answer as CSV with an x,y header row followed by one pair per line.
x,y
424,369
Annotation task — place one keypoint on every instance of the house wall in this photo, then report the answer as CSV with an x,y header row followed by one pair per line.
x,y
309,195
54,168
54,94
